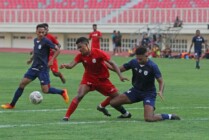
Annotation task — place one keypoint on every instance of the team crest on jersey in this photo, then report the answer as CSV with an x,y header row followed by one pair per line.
x,y
145,72
94,60
39,46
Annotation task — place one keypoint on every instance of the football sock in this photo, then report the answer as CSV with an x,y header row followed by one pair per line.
x,y
72,107
105,102
121,109
17,95
166,116
55,91
197,63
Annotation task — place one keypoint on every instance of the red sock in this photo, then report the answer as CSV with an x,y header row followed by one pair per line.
x,y
106,102
72,107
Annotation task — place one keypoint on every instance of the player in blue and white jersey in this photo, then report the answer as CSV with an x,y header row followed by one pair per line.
x,y
144,73
197,41
39,68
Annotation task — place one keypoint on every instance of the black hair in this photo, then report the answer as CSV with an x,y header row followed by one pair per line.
x,y
141,51
46,24
40,26
82,40
94,24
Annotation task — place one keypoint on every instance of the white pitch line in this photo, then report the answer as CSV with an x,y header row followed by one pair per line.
x,y
57,110
65,123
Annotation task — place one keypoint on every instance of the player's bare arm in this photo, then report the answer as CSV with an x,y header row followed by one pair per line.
x,y
56,53
161,87
68,66
191,47
116,69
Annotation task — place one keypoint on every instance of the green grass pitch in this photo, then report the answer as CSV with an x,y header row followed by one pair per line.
x,y
186,94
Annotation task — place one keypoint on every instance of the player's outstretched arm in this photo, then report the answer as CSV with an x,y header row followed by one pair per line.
x,y
115,68
161,87
68,66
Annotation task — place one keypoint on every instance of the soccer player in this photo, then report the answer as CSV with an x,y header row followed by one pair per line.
x,y
95,37
54,67
95,77
39,68
197,41
144,73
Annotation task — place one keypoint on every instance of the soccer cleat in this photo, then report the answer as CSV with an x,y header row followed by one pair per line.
x,y
65,119
103,110
65,96
197,67
7,106
126,115
175,117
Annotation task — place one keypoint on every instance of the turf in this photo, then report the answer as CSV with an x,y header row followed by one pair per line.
x,y
186,94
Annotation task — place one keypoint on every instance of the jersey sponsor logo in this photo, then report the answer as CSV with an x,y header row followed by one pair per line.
x,y
94,60
145,72
39,46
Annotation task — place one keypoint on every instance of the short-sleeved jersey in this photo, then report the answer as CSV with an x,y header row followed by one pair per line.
x,y
143,77
41,53
94,64
95,40
198,40
53,40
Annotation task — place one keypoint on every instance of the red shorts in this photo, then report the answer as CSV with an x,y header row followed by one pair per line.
x,y
54,67
104,86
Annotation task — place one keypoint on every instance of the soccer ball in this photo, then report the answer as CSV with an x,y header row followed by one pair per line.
x,y
36,97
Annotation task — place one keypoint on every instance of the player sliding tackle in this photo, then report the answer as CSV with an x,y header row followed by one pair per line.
x,y
95,77
143,80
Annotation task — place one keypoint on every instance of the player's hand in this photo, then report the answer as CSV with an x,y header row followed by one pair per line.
x,y
29,61
123,79
62,66
161,95
50,63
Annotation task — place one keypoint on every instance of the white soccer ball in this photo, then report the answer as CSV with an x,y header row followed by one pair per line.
x,y
36,97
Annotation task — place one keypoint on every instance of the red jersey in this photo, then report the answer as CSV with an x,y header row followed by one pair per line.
x,y
94,65
95,39
54,41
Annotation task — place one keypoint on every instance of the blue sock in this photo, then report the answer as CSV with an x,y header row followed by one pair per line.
x,y
17,95
166,116
55,91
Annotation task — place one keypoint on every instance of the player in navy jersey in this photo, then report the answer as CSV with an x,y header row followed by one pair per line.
x,y
197,41
144,73
39,68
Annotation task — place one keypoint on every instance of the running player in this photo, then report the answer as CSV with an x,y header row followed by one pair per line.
x,y
95,37
95,77
39,68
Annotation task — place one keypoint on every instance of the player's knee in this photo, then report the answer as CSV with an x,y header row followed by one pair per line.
x,y
149,119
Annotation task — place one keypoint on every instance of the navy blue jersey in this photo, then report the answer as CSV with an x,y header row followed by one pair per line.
x,y
198,40
41,53
143,77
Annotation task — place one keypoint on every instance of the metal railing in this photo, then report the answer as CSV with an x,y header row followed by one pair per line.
x,y
104,16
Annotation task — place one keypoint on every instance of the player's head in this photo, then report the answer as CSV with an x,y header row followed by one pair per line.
x,y
83,45
141,55
197,32
94,27
40,31
46,27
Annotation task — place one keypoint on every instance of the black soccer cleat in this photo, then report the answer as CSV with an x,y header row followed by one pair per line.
x,y
65,119
123,116
175,117
103,110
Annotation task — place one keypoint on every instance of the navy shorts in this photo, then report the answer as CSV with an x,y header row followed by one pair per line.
x,y
198,53
135,95
43,75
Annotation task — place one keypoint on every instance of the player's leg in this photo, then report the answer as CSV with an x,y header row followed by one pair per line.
x,y
45,82
17,94
55,70
150,116
117,103
82,91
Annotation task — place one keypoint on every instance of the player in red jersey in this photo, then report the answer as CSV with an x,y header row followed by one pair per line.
x,y
95,77
95,37
54,68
